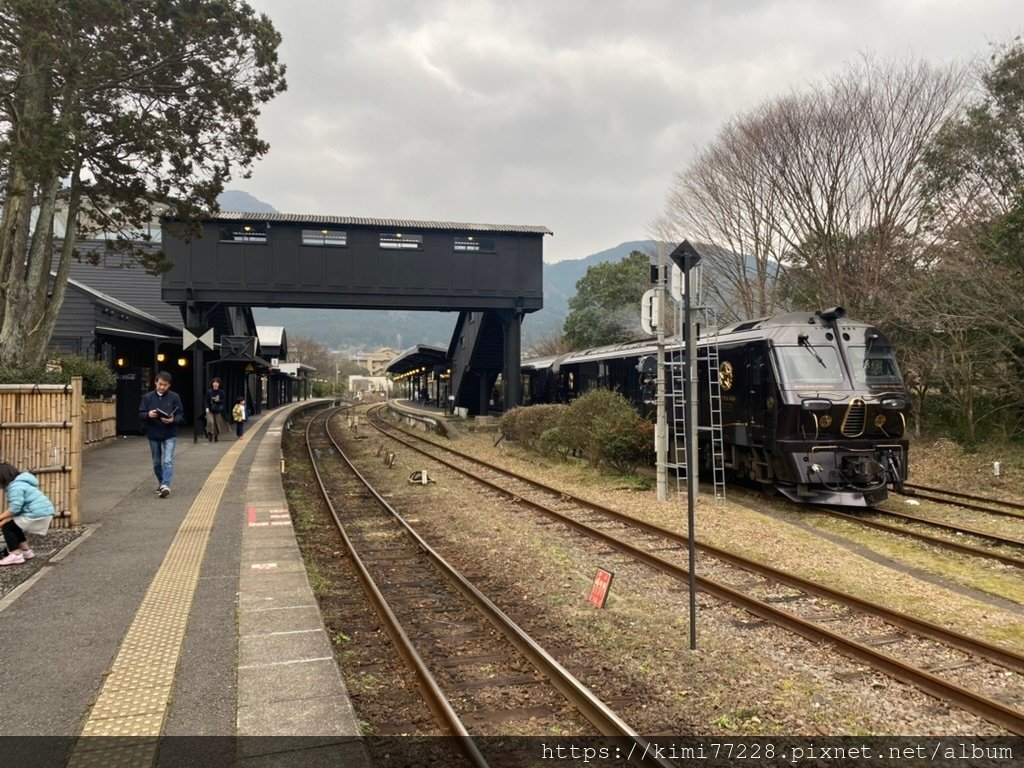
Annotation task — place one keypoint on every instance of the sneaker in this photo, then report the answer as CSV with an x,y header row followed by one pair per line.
x,y
15,558
28,554
164,491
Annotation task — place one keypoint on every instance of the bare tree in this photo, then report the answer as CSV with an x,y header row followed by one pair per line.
x,y
549,346
726,198
815,199
956,350
309,351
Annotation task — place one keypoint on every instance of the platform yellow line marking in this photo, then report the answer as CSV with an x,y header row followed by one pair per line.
x,y
135,696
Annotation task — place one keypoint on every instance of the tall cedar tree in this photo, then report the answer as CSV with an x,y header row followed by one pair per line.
x,y
109,110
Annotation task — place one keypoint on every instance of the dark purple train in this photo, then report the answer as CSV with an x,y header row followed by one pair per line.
x,y
812,403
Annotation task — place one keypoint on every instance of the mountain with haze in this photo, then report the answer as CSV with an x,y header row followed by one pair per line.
x,y
237,201
354,330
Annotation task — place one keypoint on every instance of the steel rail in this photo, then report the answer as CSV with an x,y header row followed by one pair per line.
x,y
990,709
589,705
954,545
995,653
957,495
436,700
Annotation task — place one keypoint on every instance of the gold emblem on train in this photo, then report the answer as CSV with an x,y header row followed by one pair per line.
x,y
725,375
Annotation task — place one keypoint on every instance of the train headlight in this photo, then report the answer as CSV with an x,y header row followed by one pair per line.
x,y
894,403
816,405
825,421
880,420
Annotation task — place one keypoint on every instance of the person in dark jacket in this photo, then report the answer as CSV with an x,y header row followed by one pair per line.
x,y
213,407
161,412
28,511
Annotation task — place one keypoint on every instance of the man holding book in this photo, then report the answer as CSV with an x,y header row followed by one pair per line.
x,y
160,410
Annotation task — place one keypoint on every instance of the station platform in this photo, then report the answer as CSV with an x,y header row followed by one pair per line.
x,y
182,616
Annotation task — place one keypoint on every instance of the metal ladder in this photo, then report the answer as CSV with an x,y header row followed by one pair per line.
x,y
706,356
675,358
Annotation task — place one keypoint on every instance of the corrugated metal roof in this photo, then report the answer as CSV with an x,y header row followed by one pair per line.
x,y
128,308
118,276
355,221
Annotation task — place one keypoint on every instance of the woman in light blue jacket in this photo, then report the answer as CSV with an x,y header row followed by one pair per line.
x,y
28,511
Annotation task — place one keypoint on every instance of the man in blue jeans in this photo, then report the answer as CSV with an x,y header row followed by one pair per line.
x,y
161,412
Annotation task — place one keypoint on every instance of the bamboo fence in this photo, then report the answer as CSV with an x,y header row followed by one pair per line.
x,y
100,423
41,431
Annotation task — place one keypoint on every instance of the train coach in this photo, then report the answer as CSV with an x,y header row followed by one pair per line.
x,y
812,403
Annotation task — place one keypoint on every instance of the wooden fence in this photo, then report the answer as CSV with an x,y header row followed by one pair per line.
x,y
41,431
100,423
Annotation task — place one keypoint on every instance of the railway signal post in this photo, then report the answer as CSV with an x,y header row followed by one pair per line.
x,y
686,257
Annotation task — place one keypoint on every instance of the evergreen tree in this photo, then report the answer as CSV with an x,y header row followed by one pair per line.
x,y
606,307
110,110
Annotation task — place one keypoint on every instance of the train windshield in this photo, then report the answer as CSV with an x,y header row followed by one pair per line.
x,y
875,366
809,366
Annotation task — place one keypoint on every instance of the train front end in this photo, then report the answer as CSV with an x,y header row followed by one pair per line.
x,y
841,425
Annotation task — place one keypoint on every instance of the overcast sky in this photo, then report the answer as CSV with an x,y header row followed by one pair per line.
x,y
568,114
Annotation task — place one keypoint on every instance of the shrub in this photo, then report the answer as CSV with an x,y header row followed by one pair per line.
x,y
98,381
528,425
606,429
628,444
552,444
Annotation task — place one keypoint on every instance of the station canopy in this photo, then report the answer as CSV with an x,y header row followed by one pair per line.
x,y
420,357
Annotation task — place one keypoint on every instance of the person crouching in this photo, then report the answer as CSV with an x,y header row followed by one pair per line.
x,y
28,511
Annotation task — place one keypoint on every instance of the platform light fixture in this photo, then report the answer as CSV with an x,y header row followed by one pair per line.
x,y
160,357
181,362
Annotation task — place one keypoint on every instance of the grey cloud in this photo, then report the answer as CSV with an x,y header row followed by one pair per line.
x,y
572,114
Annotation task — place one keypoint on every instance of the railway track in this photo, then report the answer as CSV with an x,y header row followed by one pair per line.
x,y
952,536
1008,550
987,504
480,674
919,653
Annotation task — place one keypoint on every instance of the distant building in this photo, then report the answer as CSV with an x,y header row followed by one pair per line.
x,y
357,384
375,362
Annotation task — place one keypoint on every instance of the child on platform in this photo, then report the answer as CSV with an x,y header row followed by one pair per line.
x,y
238,414
28,511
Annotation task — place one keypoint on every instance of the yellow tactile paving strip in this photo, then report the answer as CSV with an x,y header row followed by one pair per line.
x,y
134,698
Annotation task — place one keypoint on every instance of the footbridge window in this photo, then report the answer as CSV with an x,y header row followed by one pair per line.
x,y
401,241
331,238
256,232
472,243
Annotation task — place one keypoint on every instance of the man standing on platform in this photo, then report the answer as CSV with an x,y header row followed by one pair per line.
x,y
161,412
